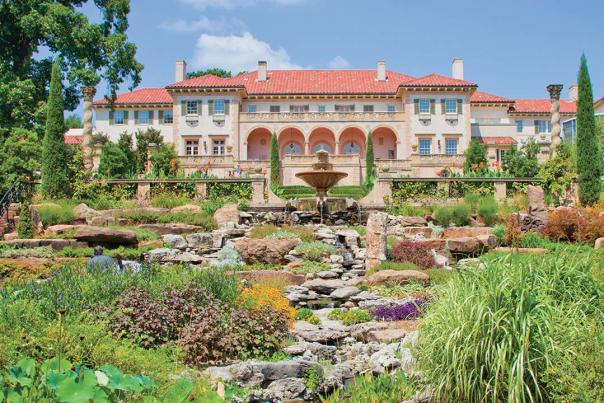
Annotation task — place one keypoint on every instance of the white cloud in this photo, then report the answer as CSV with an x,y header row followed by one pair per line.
x,y
219,25
238,53
338,62
231,4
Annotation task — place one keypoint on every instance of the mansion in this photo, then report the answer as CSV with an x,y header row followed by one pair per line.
x,y
418,125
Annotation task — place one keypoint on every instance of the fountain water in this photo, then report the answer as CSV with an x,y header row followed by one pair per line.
x,y
322,178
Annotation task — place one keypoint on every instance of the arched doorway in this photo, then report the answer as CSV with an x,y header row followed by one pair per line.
x,y
352,141
258,144
322,138
291,142
384,143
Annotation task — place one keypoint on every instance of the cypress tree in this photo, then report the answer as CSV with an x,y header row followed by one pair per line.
x,y
55,170
369,159
275,168
25,230
588,153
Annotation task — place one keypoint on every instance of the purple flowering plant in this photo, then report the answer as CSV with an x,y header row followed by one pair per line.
x,y
408,310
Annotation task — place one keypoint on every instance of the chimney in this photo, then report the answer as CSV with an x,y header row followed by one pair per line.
x,y
381,70
181,70
573,93
262,72
457,68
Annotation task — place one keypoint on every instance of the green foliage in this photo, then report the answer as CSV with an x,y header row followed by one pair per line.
x,y
216,71
73,121
276,232
230,191
307,266
34,32
557,174
522,163
499,231
388,387
589,159
169,200
389,265
532,239
312,378
114,164
315,250
403,191
55,176
202,219
475,158
20,155
349,317
144,138
275,163
26,226
164,162
407,209
51,214
487,210
293,191
308,315
472,200
126,145
369,159
461,214
493,334
444,215
353,192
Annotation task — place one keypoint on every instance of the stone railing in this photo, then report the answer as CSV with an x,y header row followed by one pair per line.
x,y
265,117
226,160
143,186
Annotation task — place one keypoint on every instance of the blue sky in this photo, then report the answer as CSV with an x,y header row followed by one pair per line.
x,y
511,48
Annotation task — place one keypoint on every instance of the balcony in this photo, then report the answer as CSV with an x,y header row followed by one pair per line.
x,y
268,117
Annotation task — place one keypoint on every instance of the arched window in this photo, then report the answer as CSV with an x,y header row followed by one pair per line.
x,y
351,148
293,149
322,146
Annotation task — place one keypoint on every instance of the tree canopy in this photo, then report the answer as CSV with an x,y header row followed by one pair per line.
x,y
476,158
522,162
73,121
217,71
90,52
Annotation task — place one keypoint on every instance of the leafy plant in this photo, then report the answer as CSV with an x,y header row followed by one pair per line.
x,y
499,231
461,214
418,253
308,315
487,210
26,226
475,158
276,232
574,225
315,251
513,233
408,310
351,316
472,200
444,215
114,163
390,388
51,214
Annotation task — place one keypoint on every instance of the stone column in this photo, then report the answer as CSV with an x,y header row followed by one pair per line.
x,y
88,93
500,190
376,239
151,148
201,190
306,148
554,94
95,155
257,189
142,191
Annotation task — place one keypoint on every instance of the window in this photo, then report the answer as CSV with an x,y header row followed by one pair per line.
x,y
275,108
191,107
425,147
367,108
344,108
322,108
119,117
543,126
519,126
451,146
168,118
143,117
450,105
298,108
218,147
391,108
293,149
251,109
323,147
192,147
424,106
351,148
500,154
219,107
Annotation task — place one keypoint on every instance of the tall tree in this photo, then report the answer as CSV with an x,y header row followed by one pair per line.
x,y
275,167
90,52
214,71
476,158
588,152
369,158
55,170
19,157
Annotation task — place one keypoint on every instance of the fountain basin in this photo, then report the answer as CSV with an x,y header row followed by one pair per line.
x,y
322,181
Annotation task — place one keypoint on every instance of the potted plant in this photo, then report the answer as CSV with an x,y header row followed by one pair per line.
x,y
414,147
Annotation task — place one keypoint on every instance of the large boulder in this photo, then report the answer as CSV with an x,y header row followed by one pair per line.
x,y
599,243
56,244
105,236
415,232
287,388
319,334
173,228
536,198
167,255
462,232
265,250
202,242
174,241
82,211
227,214
60,229
376,239
327,286
397,277
468,244
412,221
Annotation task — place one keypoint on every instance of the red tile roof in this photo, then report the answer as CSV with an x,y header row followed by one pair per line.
x,y
304,82
437,80
140,96
485,97
73,140
497,140
542,106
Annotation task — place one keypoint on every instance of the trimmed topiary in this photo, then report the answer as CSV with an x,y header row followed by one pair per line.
x,y
25,229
